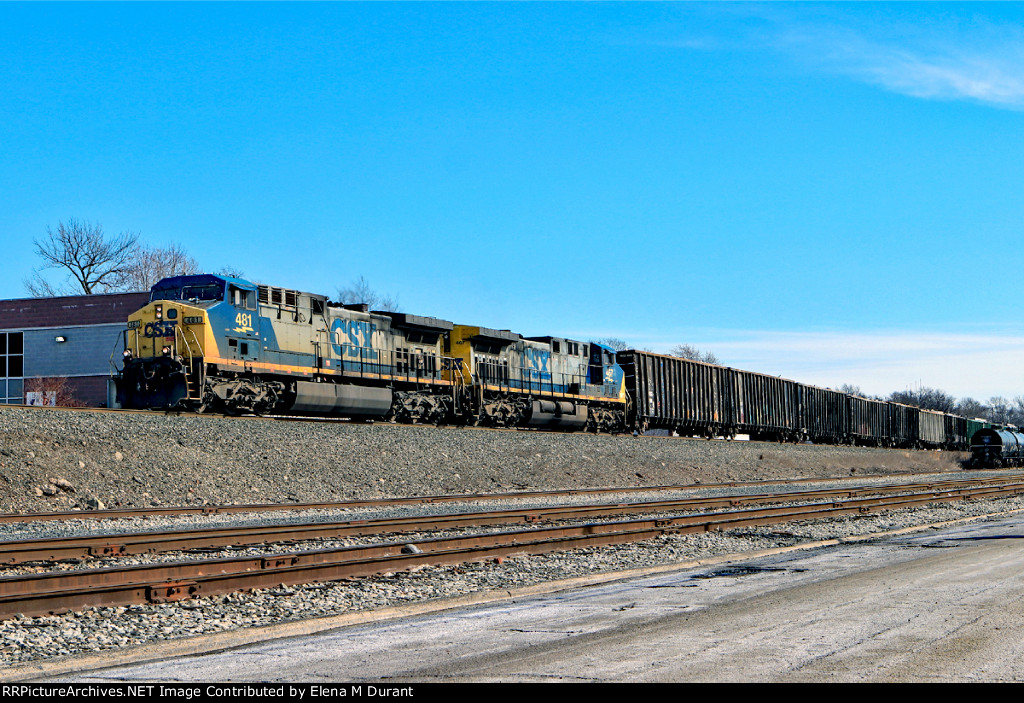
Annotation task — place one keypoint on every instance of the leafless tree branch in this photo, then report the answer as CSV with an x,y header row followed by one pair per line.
x,y
93,262
688,352
151,264
360,292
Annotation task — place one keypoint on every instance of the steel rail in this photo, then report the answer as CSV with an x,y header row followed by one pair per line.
x,y
147,542
38,594
449,498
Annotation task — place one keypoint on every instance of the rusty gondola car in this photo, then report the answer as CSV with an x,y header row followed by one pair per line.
x,y
931,432
868,421
688,397
694,398
824,415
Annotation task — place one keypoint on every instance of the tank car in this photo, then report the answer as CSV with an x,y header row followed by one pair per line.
x,y
995,447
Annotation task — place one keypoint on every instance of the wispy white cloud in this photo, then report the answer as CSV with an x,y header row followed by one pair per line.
x,y
982,62
923,53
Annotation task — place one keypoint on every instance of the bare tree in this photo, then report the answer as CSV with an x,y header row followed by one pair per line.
x,y
688,352
969,407
613,342
999,409
151,264
927,398
904,397
93,262
230,272
360,292
850,389
935,399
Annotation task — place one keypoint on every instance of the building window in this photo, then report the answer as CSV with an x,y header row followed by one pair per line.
x,y
12,367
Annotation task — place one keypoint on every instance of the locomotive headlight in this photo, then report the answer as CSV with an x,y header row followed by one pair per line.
x,y
159,311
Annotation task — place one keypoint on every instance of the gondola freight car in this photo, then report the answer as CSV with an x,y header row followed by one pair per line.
x,y
700,399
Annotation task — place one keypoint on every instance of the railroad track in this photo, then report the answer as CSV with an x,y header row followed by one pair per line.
x,y
149,542
110,513
43,593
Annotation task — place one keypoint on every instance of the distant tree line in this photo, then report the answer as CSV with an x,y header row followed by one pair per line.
x,y
996,409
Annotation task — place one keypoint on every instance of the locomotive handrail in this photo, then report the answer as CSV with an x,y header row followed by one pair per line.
x,y
386,362
114,371
178,331
528,379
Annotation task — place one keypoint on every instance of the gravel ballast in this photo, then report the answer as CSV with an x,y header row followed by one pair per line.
x,y
53,459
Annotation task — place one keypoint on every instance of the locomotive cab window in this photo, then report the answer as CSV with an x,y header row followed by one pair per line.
x,y
245,299
192,293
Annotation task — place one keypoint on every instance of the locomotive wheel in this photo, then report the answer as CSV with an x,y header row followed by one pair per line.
x,y
208,402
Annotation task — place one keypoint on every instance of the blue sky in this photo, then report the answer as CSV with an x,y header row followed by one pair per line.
x,y
828,192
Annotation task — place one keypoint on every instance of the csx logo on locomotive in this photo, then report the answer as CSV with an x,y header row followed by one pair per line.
x,y
356,338
159,328
538,362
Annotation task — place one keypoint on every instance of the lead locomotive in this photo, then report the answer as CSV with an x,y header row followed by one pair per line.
x,y
216,343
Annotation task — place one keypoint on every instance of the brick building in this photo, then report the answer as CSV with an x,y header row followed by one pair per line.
x,y
69,338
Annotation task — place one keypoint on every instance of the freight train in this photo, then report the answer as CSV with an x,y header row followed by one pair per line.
x,y
216,343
